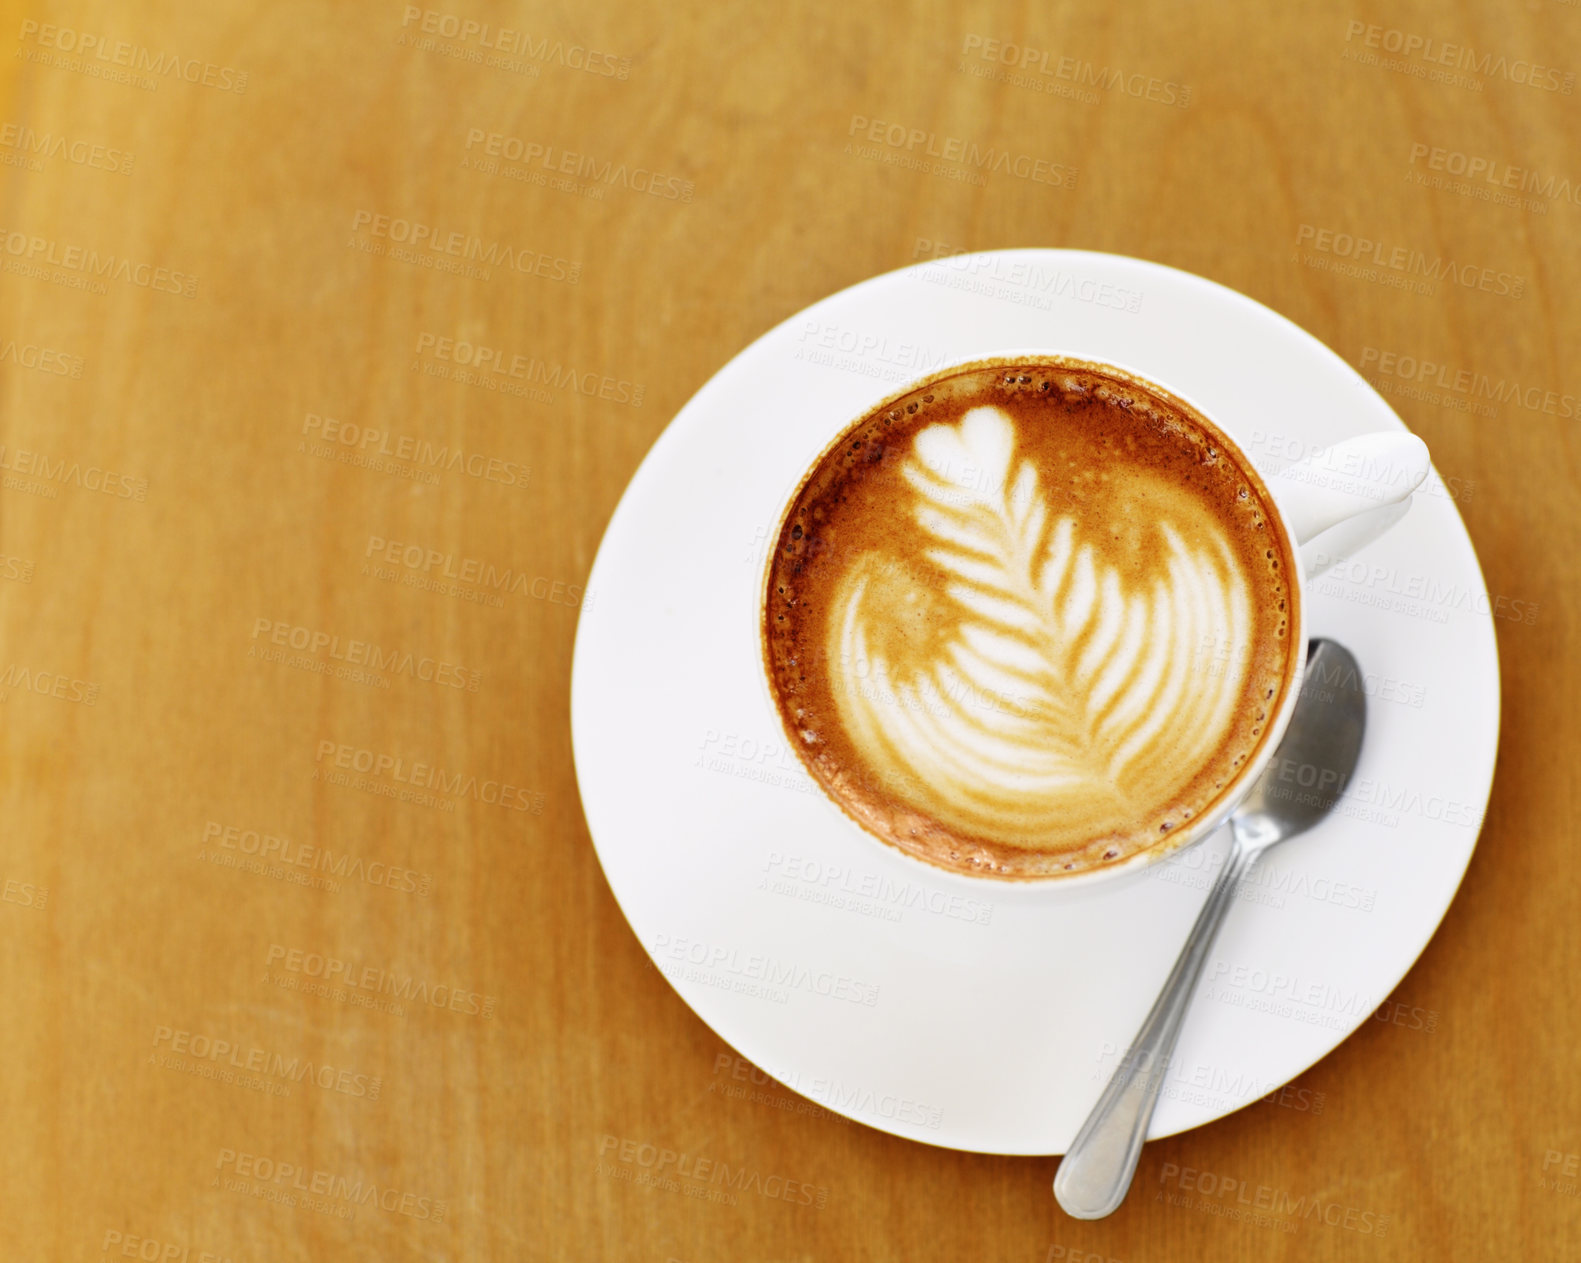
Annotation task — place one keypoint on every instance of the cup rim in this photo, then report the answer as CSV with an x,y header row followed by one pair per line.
x,y
1185,837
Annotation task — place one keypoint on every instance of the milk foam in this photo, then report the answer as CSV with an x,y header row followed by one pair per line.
x,y
1065,697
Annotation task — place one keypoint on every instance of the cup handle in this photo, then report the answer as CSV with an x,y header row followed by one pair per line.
x,y
1356,489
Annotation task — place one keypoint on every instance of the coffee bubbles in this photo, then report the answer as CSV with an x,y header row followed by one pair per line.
x,y
995,591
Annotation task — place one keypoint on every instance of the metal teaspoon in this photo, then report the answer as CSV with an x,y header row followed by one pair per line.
x,y
1325,733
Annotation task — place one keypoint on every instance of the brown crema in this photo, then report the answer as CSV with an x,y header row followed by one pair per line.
x,y
1030,618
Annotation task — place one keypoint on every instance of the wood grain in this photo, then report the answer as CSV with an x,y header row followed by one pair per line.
x,y
182,487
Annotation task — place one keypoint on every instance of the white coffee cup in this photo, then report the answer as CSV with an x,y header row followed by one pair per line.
x,y
1327,506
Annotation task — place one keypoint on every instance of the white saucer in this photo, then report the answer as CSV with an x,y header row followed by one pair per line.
x,y
976,1014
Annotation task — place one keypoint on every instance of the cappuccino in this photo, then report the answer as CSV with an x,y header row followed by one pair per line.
x,y
1029,617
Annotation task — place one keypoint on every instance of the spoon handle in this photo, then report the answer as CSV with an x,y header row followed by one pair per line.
x,y
1096,1171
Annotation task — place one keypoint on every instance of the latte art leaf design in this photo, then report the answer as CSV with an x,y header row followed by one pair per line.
x,y
1060,696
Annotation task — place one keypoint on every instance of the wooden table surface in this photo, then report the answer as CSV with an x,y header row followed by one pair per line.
x,y
250,255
